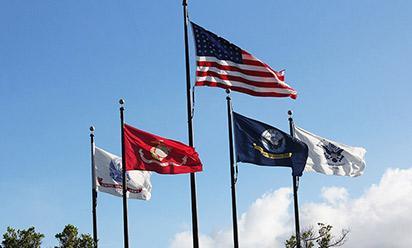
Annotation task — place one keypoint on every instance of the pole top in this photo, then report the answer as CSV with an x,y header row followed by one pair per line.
x,y
91,131
290,113
121,101
184,3
228,94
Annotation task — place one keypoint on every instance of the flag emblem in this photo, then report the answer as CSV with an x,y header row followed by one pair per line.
x,y
116,170
273,140
333,154
160,151
159,155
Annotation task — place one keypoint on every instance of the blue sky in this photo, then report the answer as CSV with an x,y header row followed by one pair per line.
x,y
65,64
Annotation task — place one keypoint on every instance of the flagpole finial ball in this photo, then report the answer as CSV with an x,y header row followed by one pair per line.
x,y
91,128
227,91
290,113
121,101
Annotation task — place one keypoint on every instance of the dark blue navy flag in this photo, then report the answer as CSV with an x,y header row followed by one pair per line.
x,y
262,144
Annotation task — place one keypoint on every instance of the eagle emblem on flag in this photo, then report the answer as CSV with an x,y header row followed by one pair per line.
x,y
273,141
333,153
116,170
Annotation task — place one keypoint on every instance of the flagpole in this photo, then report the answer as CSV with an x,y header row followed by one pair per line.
x,y
295,188
232,170
195,231
94,189
124,183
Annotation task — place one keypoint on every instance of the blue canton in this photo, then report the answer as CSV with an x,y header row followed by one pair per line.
x,y
209,44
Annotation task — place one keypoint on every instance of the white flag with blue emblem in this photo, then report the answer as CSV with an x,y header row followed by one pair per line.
x,y
109,177
330,157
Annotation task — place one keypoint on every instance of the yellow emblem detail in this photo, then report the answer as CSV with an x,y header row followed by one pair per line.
x,y
159,152
271,155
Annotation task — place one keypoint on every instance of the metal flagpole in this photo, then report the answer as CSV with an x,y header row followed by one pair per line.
x,y
94,189
124,182
195,231
232,169
295,188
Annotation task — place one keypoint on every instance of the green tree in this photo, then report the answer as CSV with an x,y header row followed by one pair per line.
x,y
323,238
21,238
69,238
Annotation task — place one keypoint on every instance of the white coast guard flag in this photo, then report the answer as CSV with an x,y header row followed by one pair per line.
x,y
331,158
109,177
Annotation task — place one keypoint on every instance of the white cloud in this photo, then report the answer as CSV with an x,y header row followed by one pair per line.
x,y
263,225
335,195
381,217
184,239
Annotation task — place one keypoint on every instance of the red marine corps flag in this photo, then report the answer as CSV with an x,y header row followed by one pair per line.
x,y
148,152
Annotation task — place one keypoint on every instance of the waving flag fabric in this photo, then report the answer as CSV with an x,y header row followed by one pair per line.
x,y
145,151
225,65
262,144
109,177
330,157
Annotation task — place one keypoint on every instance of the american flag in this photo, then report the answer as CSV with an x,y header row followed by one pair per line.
x,y
225,65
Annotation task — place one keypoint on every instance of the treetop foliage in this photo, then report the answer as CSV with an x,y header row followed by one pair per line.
x,y
29,238
323,238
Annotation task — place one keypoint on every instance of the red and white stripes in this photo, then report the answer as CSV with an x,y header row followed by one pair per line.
x,y
252,76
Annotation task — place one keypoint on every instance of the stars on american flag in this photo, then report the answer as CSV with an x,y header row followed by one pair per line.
x,y
209,44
